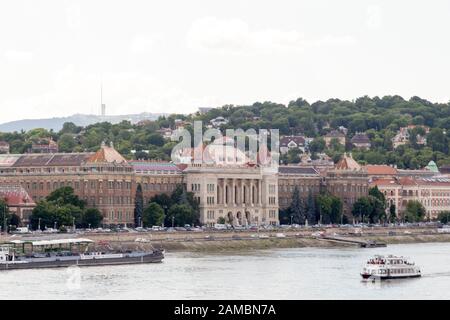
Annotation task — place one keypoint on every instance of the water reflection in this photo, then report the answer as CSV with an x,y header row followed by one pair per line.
x,y
304,273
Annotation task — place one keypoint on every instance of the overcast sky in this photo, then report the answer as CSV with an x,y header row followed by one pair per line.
x,y
176,56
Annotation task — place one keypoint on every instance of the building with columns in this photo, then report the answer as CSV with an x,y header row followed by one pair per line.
x,y
241,194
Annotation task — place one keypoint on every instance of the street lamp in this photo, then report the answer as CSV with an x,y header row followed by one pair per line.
x,y
4,217
39,224
291,219
360,213
165,214
89,226
173,220
54,225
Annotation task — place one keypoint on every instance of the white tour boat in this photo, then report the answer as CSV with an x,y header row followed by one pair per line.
x,y
390,267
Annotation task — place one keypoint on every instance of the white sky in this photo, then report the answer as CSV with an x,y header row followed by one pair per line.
x,y
176,56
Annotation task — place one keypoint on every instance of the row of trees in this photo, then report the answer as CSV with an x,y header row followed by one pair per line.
x,y
177,209
62,208
378,117
324,208
8,220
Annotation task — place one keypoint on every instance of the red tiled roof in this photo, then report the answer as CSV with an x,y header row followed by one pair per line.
x,y
16,196
380,170
384,182
107,154
407,181
347,163
299,140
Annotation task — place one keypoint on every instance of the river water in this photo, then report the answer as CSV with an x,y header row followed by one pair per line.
x,y
303,273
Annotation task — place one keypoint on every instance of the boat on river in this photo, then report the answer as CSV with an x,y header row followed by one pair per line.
x,y
390,267
69,252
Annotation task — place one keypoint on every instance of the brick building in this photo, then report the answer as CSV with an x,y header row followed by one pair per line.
x,y
306,179
18,201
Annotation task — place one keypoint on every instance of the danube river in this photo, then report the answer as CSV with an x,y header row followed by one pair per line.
x,y
304,273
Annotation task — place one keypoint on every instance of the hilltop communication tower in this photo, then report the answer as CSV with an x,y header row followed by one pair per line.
x,y
102,105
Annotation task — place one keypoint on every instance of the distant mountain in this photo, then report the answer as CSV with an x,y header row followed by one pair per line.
x,y
79,119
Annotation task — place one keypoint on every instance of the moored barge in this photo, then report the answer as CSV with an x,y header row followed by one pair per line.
x,y
46,256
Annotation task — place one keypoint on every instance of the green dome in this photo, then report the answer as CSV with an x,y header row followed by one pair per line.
x,y
432,166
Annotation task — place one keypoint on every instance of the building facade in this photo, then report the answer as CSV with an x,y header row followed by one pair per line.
x,y
18,201
432,193
292,142
4,147
104,179
306,179
348,181
241,194
334,134
361,141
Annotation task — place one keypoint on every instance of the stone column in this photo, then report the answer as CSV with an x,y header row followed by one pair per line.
x,y
243,191
251,192
233,192
224,192
260,192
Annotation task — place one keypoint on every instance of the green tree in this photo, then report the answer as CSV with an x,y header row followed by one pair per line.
x,y
392,214
14,220
156,139
311,209
317,145
66,143
444,217
414,211
92,217
437,140
138,205
336,210
164,200
182,214
65,195
324,207
5,216
297,209
153,215
375,192
362,208
221,220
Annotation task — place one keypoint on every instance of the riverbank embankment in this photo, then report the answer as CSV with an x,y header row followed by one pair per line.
x,y
224,241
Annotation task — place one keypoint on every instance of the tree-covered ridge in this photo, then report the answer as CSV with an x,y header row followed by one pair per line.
x,y
379,118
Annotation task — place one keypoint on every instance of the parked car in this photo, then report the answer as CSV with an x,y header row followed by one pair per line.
x,y
21,230
219,226
280,235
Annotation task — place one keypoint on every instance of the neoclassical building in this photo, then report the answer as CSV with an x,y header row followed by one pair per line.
x,y
242,194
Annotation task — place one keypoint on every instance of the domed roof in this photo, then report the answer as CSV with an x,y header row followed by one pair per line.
x,y
432,166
